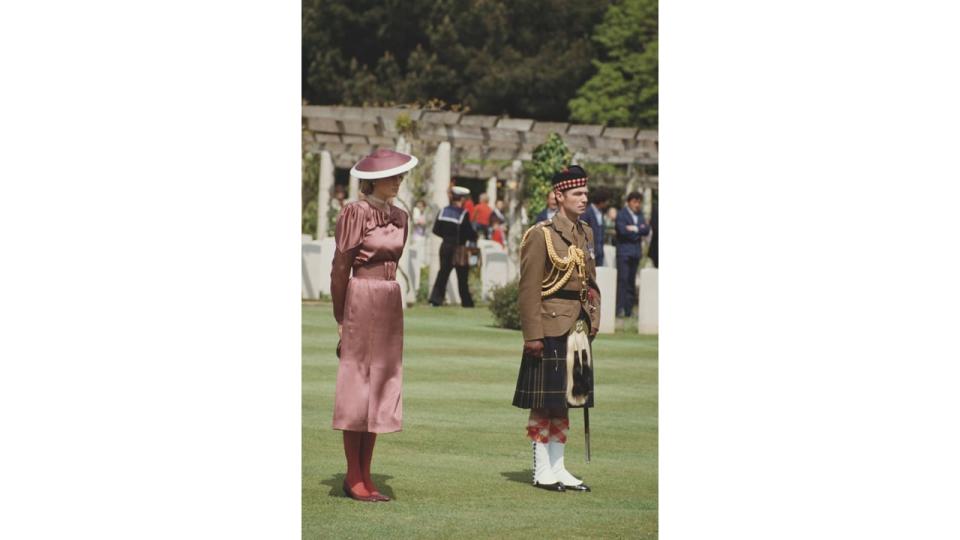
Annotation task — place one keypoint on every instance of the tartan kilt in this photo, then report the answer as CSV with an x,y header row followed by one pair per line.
x,y
542,382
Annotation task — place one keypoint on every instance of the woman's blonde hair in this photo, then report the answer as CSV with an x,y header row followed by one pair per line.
x,y
366,187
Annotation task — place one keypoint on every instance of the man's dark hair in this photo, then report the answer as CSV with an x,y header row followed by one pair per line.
x,y
599,195
634,195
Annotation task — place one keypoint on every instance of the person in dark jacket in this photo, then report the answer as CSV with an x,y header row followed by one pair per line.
x,y
453,225
594,217
550,210
631,228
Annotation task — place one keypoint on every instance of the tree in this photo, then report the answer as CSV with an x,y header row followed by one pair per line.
x,y
624,90
548,158
521,58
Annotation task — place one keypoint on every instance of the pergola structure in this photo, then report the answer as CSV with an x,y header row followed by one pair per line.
x,y
481,146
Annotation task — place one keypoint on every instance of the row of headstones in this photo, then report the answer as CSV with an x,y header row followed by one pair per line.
x,y
496,270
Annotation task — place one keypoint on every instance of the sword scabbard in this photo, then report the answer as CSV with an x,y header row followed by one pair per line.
x,y
586,431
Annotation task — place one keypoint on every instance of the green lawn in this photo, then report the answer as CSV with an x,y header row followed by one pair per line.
x,y
461,467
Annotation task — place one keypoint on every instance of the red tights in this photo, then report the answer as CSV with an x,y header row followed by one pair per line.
x,y
358,448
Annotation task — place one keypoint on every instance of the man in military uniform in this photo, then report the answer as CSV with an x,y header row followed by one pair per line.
x,y
559,314
453,225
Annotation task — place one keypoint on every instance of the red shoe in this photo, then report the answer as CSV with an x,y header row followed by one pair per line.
x,y
380,496
352,495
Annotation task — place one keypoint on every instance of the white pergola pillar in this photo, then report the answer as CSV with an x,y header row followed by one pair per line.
x,y
407,273
492,191
647,203
405,195
323,196
440,179
514,214
354,192
439,186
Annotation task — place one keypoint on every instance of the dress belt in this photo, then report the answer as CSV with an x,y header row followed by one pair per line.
x,y
385,270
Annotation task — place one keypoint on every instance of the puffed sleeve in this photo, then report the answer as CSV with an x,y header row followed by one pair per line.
x,y
349,236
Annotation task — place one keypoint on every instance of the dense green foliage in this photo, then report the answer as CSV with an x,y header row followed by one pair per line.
x,y
624,90
461,467
309,186
548,158
505,305
521,58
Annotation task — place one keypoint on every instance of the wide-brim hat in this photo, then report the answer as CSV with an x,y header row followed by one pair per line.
x,y
460,191
383,164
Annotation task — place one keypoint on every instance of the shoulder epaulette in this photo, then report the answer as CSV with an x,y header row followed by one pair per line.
x,y
534,226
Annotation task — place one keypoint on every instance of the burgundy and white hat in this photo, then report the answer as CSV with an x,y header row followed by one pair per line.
x,y
383,164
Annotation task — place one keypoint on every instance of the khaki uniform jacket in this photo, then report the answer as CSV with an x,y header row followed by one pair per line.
x,y
540,317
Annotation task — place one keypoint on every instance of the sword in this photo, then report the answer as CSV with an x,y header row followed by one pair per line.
x,y
586,430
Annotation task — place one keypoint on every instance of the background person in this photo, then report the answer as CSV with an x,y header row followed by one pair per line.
x,y
610,226
497,232
593,216
453,225
481,216
550,210
631,228
420,219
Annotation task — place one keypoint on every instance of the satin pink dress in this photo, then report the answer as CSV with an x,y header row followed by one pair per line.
x,y
367,301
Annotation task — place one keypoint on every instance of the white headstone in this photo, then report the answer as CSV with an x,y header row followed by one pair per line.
x,y
610,256
607,280
647,311
416,250
407,273
513,269
403,279
494,267
323,196
310,269
327,247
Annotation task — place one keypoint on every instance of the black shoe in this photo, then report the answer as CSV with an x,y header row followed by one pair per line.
x,y
581,487
550,487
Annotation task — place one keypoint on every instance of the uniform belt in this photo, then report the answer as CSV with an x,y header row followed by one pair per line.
x,y
564,294
385,270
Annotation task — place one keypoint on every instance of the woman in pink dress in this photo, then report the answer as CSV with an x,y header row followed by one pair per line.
x,y
368,307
